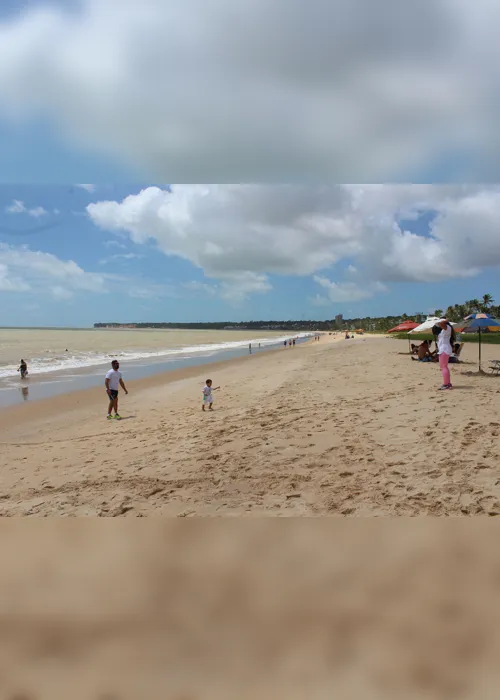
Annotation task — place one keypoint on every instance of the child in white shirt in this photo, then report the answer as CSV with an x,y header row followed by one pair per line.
x,y
208,396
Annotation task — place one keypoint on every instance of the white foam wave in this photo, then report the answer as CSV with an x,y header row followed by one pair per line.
x,y
75,361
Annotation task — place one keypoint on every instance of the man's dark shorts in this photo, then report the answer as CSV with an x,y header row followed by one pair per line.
x,y
113,394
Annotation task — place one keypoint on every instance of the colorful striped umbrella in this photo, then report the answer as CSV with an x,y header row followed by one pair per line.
x,y
478,323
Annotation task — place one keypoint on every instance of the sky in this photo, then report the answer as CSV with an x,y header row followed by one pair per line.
x,y
272,90
265,92
74,255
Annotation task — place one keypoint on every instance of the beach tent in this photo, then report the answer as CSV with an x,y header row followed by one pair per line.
x,y
405,327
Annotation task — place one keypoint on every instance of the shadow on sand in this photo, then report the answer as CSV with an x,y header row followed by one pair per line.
x,y
480,373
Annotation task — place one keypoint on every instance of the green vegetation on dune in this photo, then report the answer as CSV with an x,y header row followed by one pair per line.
x,y
370,325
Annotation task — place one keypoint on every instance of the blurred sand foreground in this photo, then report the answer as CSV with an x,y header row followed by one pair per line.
x,y
328,428
379,609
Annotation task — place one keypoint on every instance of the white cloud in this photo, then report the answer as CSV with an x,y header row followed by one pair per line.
x,y
43,274
120,256
319,300
23,269
341,292
87,188
240,234
201,288
332,89
37,212
150,291
18,207
61,293
113,244
234,289
11,283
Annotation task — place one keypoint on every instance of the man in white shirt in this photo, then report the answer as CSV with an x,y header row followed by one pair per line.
x,y
113,382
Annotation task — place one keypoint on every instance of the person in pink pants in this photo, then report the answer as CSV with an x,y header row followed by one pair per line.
x,y
445,351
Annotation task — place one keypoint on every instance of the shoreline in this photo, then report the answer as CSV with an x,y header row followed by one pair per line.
x,y
48,354
41,386
76,399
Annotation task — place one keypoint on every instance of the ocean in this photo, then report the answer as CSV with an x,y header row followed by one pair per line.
x,y
62,360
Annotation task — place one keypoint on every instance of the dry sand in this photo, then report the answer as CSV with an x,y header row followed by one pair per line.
x,y
329,428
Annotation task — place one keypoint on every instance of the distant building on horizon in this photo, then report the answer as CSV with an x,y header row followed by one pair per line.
x,y
339,319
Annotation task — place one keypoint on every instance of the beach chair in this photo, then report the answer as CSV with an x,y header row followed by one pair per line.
x,y
456,355
495,367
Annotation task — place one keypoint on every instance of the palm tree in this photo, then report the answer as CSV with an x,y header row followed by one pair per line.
x,y
451,313
475,306
487,301
438,312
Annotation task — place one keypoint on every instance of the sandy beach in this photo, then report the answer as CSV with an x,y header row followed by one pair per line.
x,y
331,428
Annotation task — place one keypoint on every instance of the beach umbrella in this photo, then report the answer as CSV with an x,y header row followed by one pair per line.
x,y
405,327
429,323
478,323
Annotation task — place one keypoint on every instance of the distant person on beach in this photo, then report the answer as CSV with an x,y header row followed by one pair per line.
x,y
113,382
293,342
250,348
208,397
23,369
285,343
445,341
